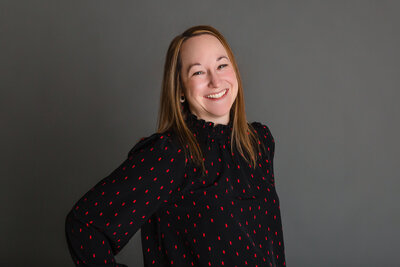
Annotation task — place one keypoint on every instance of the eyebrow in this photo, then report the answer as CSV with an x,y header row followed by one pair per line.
x,y
198,64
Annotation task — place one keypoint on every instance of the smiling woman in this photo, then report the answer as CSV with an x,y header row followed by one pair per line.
x,y
210,85
201,189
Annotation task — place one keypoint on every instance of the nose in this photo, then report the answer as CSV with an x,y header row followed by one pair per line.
x,y
214,80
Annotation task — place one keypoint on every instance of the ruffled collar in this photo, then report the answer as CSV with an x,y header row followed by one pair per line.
x,y
208,129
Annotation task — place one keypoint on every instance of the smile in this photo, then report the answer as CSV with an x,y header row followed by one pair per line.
x,y
219,95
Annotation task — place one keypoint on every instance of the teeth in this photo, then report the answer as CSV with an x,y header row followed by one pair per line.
x,y
217,95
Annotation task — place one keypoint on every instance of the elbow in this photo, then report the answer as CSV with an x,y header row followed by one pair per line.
x,y
70,222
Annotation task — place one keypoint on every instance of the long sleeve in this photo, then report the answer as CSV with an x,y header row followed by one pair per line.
x,y
276,222
268,141
102,222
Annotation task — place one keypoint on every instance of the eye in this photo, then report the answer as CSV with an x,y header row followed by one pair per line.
x,y
196,72
223,65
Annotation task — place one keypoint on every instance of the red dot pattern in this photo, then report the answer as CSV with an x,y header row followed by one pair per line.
x,y
228,217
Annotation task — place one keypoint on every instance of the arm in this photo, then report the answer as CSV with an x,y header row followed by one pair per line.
x,y
268,142
102,222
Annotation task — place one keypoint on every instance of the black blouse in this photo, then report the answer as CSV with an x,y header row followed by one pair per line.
x,y
229,217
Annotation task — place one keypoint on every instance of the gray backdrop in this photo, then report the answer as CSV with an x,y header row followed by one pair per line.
x,y
80,84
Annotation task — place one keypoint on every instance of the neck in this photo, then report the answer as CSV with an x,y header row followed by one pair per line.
x,y
224,120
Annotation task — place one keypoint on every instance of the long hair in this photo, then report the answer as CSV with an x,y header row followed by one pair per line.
x,y
172,112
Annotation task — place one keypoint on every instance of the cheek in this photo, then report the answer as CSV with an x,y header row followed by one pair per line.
x,y
192,94
235,84
195,88
233,81
231,76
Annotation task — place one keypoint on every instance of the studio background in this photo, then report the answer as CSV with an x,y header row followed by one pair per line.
x,y
80,84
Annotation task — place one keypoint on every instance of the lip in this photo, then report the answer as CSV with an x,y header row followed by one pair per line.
x,y
216,99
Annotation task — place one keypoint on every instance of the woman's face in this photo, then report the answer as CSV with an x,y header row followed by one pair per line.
x,y
208,77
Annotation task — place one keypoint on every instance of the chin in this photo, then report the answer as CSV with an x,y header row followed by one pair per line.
x,y
219,112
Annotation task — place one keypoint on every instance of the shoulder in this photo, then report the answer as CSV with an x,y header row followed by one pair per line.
x,y
158,143
264,134
262,130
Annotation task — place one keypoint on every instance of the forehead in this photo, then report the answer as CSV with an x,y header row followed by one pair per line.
x,y
201,47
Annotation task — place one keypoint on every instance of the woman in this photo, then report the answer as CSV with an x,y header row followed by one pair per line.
x,y
202,188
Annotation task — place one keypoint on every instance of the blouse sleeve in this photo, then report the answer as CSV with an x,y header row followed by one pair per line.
x,y
268,141
102,222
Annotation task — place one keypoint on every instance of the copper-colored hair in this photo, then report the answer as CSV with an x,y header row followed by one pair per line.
x,y
172,113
